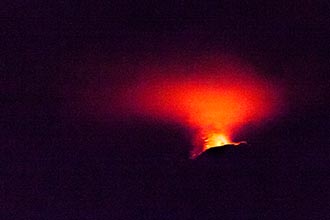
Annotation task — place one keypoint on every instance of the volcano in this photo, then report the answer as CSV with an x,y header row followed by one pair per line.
x,y
222,152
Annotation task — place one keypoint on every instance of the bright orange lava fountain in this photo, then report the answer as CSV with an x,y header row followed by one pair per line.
x,y
213,102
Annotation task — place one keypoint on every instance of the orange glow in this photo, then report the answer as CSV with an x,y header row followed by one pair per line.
x,y
214,100
213,139
216,140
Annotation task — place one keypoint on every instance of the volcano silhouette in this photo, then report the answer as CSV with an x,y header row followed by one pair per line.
x,y
229,157
228,151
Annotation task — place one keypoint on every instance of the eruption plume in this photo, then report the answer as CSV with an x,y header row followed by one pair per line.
x,y
213,99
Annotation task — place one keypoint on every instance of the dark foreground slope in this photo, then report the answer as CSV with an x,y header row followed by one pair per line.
x,y
86,172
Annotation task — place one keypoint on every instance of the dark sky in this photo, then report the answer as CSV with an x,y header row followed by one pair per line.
x,y
57,164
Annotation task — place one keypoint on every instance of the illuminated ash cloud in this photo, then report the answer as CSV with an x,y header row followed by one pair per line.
x,y
212,97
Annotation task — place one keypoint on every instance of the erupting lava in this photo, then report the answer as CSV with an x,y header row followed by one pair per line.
x,y
212,100
214,139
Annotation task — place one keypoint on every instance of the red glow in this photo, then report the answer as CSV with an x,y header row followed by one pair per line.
x,y
212,101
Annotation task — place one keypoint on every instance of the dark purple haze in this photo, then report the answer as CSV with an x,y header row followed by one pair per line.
x,y
56,163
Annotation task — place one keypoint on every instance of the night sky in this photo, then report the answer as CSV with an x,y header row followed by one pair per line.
x,y
59,160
